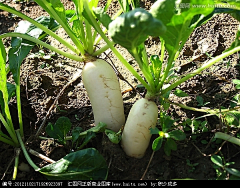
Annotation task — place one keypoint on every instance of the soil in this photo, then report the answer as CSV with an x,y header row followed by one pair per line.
x,y
42,80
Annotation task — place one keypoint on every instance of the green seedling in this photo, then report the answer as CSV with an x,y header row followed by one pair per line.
x,y
195,126
201,102
170,136
192,165
223,170
80,138
180,93
113,136
76,117
60,129
235,101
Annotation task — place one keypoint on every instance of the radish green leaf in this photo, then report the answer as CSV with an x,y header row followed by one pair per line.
x,y
86,164
11,92
216,159
60,129
157,143
180,93
177,135
177,16
102,16
169,146
21,47
132,28
75,133
87,138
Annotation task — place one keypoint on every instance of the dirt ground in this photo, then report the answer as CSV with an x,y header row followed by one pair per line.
x,y
42,80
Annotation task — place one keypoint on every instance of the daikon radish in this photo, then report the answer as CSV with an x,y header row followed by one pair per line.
x,y
136,133
104,93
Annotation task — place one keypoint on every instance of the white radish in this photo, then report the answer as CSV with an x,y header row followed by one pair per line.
x,y
136,133
104,93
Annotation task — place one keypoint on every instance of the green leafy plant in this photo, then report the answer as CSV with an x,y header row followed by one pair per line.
x,y
166,20
195,126
223,170
106,97
113,136
26,35
103,90
72,166
235,101
173,25
237,82
80,138
200,101
60,129
87,164
7,90
15,56
167,134
192,165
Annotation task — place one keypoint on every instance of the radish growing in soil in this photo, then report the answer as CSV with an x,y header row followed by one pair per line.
x,y
144,113
136,134
165,19
104,92
99,78
173,25
84,39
